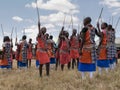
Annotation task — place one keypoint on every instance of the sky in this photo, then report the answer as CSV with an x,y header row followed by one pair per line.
x,y
21,15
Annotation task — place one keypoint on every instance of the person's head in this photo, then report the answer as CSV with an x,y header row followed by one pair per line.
x,y
6,38
109,27
66,34
30,40
87,21
74,31
104,25
43,29
51,37
113,29
24,37
46,35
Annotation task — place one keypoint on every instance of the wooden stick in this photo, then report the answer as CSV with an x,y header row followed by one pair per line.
x,y
72,21
117,23
100,15
2,30
12,32
112,20
64,20
37,11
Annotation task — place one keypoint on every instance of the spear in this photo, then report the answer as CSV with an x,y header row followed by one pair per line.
x,y
37,11
71,22
78,27
117,23
24,31
11,36
112,20
38,16
109,20
100,14
64,19
16,31
12,32
99,19
16,34
2,30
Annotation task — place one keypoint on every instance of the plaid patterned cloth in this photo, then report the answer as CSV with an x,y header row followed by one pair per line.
x,y
24,52
111,48
7,50
93,50
92,36
93,54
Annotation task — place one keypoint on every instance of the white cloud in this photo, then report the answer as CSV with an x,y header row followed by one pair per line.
x,y
58,18
54,21
114,6
56,5
111,3
114,13
28,5
17,18
32,31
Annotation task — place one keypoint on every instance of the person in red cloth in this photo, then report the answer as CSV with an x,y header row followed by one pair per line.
x,y
5,61
88,49
42,54
23,47
102,61
57,51
29,52
74,48
111,48
64,50
51,49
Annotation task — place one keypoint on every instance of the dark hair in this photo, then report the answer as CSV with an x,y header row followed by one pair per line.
x,y
24,37
30,39
109,27
6,38
51,37
113,29
105,24
86,21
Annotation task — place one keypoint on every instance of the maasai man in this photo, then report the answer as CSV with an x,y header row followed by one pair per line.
x,y
102,61
64,50
42,54
111,49
87,49
115,48
29,52
51,49
57,51
74,48
22,62
5,61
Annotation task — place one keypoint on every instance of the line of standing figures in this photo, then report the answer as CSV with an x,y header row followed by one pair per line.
x,y
79,50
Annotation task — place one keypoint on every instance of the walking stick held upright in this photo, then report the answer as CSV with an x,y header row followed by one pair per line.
x,y
38,16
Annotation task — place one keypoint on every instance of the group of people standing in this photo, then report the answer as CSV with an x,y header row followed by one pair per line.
x,y
79,50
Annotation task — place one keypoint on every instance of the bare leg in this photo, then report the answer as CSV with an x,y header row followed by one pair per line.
x,y
40,69
47,68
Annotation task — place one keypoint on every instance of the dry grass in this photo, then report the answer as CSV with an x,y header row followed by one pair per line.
x,y
67,80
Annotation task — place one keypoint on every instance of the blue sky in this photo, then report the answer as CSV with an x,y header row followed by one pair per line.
x,y
22,14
